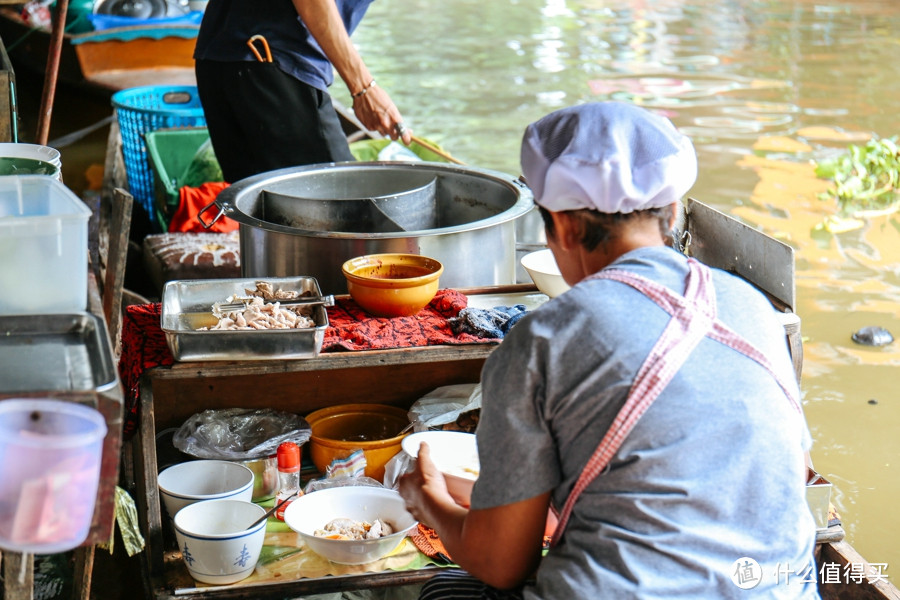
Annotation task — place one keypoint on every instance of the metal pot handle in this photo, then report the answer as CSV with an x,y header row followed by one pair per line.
x,y
216,218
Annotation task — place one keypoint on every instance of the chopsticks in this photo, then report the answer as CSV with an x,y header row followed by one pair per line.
x,y
272,510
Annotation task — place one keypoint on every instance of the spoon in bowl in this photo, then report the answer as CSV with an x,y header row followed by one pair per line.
x,y
272,510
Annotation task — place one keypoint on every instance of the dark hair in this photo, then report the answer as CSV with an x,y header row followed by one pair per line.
x,y
598,228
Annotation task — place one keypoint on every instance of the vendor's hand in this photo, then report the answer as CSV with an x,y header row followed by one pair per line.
x,y
424,487
377,112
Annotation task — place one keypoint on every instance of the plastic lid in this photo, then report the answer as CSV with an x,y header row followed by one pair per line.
x,y
288,456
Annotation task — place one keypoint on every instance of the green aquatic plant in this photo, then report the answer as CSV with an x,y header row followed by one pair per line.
x,y
866,178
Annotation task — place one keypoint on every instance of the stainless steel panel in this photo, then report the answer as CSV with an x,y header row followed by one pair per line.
x,y
187,304
724,242
55,353
363,205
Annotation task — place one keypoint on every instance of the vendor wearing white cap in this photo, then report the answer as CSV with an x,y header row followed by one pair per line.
x,y
654,405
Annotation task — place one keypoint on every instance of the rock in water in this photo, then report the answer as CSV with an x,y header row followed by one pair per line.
x,y
873,336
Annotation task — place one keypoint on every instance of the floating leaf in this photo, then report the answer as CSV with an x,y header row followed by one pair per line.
x,y
865,177
834,225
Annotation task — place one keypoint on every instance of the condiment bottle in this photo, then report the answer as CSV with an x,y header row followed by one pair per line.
x,y
288,475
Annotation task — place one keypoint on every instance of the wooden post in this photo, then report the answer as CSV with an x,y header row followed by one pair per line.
x,y
116,258
18,576
56,40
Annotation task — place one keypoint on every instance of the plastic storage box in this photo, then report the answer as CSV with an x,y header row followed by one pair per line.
x,y
171,152
141,110
43,242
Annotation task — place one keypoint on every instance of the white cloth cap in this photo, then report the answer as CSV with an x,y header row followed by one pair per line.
x,y
612,157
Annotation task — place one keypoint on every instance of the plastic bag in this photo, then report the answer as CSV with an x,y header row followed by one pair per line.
x,y
399,465
370,150
203,168
444,405
239,433
395,151
343,472
328,483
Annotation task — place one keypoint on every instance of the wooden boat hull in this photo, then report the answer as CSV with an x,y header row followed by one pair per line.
x,y
118,64
107,61
841,556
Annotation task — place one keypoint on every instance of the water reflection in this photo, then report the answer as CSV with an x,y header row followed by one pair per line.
x,y
763,89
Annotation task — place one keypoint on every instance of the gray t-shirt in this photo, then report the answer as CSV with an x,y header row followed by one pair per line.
x,y
712,473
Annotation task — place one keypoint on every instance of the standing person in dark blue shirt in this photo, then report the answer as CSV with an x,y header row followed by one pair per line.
x,y
266,114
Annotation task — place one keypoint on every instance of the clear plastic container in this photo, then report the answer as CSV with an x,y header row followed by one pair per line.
x,y
44,244
50,453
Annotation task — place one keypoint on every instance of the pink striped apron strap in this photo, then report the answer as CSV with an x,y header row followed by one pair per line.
x,y
693,318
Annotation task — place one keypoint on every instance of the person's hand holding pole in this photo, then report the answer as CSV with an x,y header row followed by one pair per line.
x,y
371,104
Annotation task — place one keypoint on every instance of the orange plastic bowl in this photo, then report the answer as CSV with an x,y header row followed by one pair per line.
x,y
337,431
392,285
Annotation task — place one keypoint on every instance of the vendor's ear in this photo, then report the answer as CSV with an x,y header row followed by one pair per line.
x,y
675,215
567,229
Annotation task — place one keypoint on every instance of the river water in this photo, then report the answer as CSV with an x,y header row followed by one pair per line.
x,y
764,88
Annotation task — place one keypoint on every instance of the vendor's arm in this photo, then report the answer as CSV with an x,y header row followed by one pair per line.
x,y
501,546
374,107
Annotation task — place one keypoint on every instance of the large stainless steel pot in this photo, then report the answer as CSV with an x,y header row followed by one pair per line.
x,y
471,225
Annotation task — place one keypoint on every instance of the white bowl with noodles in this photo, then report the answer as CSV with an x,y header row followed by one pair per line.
x,y
455,454
313,511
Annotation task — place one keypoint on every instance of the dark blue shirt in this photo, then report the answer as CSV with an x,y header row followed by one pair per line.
x,y
228,24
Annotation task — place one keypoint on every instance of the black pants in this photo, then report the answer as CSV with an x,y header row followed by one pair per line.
x,y
261,119
456,584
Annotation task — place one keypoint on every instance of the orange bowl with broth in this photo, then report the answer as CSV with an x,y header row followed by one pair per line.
x,y
392,285
337,431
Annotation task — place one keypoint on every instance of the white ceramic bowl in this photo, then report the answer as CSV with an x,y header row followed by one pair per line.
x,y
215,542
197,480
361,503
455,453
541,266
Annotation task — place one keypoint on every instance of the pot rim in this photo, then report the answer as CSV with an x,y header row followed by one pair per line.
x,y
226,201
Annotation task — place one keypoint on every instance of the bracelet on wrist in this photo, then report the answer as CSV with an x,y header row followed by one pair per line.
x,y
363,91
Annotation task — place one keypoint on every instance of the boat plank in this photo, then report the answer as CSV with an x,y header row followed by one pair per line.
x,y
107,64
841,556
173,54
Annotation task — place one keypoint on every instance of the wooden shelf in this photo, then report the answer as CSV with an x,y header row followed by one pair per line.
x,y
170,395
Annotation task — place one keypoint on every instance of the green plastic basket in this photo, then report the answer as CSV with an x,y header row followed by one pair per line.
x,y
170,152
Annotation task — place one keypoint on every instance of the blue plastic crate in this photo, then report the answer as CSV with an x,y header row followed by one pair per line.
x,y
141,110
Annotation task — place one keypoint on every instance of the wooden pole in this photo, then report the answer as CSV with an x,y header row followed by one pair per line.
x,y
50,75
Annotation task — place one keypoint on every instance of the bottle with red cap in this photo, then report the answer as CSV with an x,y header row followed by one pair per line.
x,y
288,456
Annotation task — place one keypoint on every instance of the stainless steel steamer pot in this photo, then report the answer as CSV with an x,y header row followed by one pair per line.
x,y
472,228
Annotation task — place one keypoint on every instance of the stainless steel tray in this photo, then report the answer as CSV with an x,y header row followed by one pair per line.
x,y
55,353
187,304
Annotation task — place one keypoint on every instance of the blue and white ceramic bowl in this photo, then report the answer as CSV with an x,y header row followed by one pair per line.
x,y
215,542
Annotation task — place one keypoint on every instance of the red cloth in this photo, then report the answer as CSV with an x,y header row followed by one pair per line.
x,y
429,543
191,200
349,328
